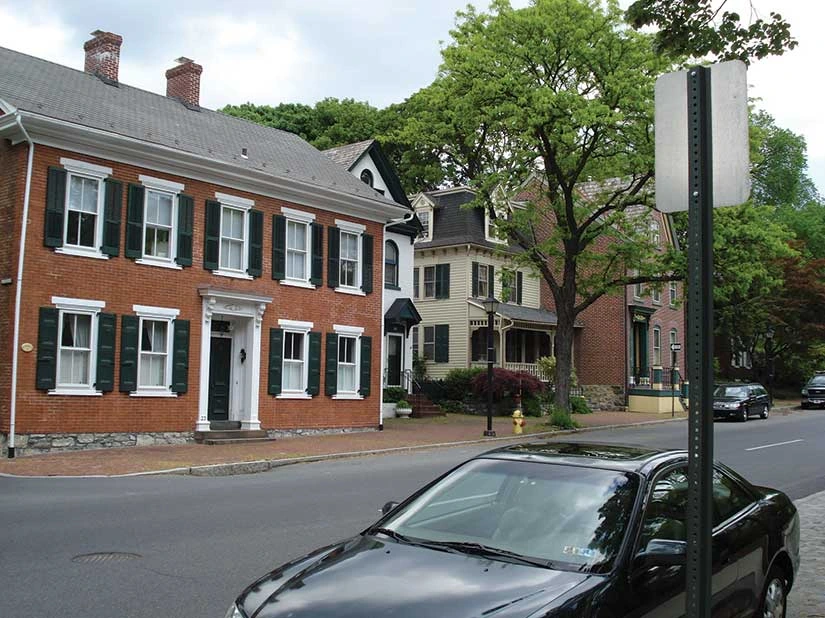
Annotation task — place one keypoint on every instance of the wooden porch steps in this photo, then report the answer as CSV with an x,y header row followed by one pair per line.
x,y
232,436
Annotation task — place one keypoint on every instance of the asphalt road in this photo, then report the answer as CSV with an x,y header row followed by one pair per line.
x,y
199,541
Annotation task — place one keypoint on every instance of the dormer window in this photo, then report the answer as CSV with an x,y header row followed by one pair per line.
x,y
367,178
424,218
491,231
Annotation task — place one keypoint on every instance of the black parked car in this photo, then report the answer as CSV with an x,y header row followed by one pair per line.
x,y
813,393
546,530
740,401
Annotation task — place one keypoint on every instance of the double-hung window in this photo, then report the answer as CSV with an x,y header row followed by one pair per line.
x,y
348,276
673,293
295,358
347,364
155,346
656,295
390,264
424,219
482,280
657,346
429,282
83,212
233,237
160,221
77,345
429,342
297,234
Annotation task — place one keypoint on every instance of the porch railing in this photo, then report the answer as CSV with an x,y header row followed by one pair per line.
x,y
645,377
532,368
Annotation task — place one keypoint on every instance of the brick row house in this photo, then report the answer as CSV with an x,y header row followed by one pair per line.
x,y
622,341
168,270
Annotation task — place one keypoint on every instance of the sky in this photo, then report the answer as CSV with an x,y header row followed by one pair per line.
x,y
380,51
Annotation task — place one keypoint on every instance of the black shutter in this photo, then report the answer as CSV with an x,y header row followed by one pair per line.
x,y
278,247
55,205
180,357
415,283
317,273
331,365
366,366
112,209
519,286
442,281
491,280
314,378
134,222
333,255
129,339
47,348
442,343
276,357
105,373
212,234
256,243
475,280
366,263
186,224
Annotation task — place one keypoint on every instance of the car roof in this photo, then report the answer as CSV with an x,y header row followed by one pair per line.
x,y
718,384
625,458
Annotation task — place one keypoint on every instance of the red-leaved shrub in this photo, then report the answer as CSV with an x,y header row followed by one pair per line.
x,y
506,382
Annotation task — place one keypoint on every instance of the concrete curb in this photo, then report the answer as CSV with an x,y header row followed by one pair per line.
x,y
264,465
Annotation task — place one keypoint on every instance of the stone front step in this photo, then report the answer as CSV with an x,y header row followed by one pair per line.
x,y
234,435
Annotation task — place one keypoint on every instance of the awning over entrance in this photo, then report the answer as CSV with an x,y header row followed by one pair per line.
x,y
401,316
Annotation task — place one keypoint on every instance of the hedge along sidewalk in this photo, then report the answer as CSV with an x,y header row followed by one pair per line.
x,y
398,435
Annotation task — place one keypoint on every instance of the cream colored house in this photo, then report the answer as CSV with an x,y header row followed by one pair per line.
x,y
458,262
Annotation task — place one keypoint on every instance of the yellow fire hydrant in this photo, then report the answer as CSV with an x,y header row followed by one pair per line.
x,y
518,421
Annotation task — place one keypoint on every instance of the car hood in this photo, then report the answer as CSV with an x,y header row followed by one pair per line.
x,y
368,576
729,399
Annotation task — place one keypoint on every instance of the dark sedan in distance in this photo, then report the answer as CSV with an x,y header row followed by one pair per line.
x,y
740,401
545,530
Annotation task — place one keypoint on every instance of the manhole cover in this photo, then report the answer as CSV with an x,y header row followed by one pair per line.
x,y
106,556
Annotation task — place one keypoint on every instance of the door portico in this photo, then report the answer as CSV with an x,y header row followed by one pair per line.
x,y
230,328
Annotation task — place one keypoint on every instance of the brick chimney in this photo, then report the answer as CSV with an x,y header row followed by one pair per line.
x,y
183,82
103,54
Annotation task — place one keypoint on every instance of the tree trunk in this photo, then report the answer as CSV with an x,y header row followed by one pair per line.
x,y
564,352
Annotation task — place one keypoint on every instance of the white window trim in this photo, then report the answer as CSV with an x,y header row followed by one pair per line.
x,y
244,204
91,171
158,314
353,332
673,294
656,348
161,184
487,221
84,168
88,307
305,219
297,326
356,229
427,232
158,185
424,284
483,280
656,296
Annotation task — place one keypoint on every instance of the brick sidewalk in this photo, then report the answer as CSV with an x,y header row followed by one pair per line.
x,y
807,599
398,433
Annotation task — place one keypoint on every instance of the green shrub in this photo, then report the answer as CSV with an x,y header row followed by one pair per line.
x,y
458,383
452,406
578,405
403,404
506,382
531,406
394,394
547,367
559,417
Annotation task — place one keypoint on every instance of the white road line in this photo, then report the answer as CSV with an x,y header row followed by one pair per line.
x,y
756,448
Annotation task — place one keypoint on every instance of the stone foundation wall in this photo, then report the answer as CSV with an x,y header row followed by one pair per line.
x,y
294,433
39,444
604,396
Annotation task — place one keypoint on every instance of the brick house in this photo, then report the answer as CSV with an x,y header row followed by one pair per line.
x,y
168,270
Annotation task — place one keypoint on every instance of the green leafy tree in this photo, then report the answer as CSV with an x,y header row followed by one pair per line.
x,y
699,28
559,92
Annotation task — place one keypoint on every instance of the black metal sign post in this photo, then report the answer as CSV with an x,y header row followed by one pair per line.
x,y
700,343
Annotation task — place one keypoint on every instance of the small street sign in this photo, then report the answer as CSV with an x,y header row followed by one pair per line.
x,y
675,347
729,127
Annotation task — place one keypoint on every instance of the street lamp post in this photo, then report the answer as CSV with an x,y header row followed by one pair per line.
x,y
490,306
769,353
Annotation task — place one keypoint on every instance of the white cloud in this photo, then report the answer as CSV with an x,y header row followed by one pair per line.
x,y
37,32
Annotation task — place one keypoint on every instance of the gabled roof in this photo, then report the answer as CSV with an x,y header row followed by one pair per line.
x,y
54,91
350,154
453,224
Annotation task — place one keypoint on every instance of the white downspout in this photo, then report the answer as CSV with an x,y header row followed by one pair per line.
x,y
18,295
405,219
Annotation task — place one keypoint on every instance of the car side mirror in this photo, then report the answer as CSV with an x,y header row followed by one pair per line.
x,y
663,552
388,507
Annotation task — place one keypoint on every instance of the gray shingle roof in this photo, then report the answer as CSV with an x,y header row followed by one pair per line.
x,y
527,314
348,154
454,225
49,89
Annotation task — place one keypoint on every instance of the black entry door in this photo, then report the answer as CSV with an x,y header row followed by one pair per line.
x,y
220,359
394,360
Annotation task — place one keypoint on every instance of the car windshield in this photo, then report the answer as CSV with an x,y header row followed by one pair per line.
x,y
817,381
567,516
730,391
